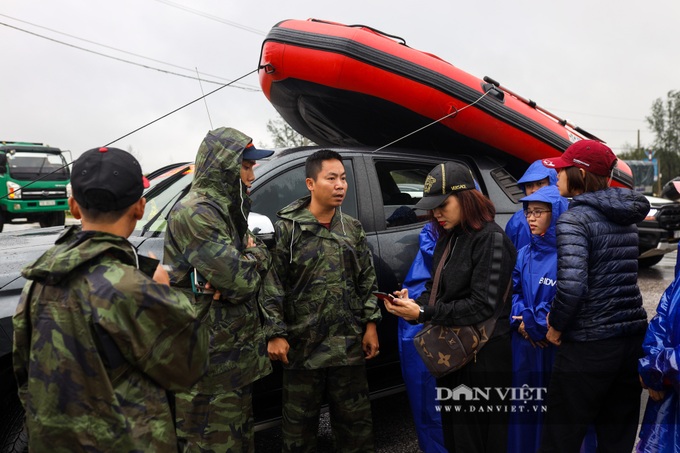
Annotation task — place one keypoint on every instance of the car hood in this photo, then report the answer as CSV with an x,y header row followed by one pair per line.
x,y
20,248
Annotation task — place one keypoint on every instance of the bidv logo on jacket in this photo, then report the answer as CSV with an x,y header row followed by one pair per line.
x,y
547,281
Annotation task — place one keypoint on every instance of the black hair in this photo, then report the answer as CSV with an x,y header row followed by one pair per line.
x,y
315,161
97,216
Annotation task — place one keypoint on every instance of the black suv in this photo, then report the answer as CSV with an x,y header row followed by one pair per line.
x,y
660,231
379,184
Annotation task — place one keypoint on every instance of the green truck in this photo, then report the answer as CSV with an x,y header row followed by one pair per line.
x,y
34,184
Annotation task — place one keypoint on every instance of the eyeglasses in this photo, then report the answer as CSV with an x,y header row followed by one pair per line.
x,y
537,213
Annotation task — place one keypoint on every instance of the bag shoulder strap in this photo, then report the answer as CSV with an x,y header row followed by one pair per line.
x,y
437,274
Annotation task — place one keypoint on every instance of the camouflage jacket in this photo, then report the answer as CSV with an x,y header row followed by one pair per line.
x,y
96,345
327,280
208,230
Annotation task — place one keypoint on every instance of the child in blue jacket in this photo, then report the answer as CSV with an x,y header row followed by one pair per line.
x,y
534,286
536,176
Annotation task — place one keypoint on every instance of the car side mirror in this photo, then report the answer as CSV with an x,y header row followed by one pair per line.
x,y
260,224
262,227
3,162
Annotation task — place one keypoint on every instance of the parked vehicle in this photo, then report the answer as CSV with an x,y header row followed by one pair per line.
x,y
34,181
379,184
660,231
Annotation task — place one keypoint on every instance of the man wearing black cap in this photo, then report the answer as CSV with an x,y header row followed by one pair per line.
x,y
208,235
99,337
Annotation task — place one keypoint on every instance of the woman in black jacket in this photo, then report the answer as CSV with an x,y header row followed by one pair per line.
x,y
478,259
597,318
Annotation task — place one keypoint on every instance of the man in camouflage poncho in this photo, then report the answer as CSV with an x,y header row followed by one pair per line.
x,y
98,342
208,231
323,326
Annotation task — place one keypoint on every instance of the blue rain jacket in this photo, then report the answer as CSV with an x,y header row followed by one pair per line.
x,y
517,228
420,384
534,285
659,369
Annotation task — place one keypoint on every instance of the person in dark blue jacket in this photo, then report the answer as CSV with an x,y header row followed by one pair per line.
x,y
660,374
596,318
420,384
534,280
536,176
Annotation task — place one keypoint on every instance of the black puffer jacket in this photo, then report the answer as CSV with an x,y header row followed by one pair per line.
x,y
474,279
597,248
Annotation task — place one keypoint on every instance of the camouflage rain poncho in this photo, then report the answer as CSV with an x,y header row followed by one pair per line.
x,y
96,345
208,230
328,280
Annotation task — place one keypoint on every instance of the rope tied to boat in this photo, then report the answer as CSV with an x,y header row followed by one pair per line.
x,y
453,114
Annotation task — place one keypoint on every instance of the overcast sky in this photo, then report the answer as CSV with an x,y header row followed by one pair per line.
x,y
600,64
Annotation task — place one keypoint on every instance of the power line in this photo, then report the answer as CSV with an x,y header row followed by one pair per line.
x,y
120,50
213,17
121,59
599,116
180,108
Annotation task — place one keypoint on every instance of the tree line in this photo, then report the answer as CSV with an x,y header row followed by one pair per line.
x,y
664,122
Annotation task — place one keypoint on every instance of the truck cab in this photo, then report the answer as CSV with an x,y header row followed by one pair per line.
x,y
34,184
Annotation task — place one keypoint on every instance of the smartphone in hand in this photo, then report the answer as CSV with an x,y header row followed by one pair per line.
x,y
198,283
383,296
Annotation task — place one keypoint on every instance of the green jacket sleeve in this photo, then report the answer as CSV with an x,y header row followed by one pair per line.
x,y
272,290
211,246
156,329
21,345
367,282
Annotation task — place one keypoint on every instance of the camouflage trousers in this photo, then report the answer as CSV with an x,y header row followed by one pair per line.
x,y
346,391
216,423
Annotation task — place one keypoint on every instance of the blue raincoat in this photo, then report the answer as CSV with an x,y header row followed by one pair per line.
x,y
420,384
660,370
534,286
517,227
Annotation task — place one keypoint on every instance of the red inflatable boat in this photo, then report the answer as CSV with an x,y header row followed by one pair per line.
x,y
352,85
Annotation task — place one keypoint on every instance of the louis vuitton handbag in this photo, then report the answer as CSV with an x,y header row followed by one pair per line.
x,y
445,349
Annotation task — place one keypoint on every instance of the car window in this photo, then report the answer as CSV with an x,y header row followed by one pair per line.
x,y
286,187
159,203
401,186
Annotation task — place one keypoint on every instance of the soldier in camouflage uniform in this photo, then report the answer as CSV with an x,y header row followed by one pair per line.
x,y
322,325
208,231
98,342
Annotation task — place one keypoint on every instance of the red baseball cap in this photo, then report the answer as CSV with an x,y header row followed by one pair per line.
x,y
590,155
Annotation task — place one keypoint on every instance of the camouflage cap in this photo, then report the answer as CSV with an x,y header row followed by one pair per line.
x,y
442,181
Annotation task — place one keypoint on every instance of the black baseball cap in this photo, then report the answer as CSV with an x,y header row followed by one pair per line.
x,y
107,179
442,181
252,153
